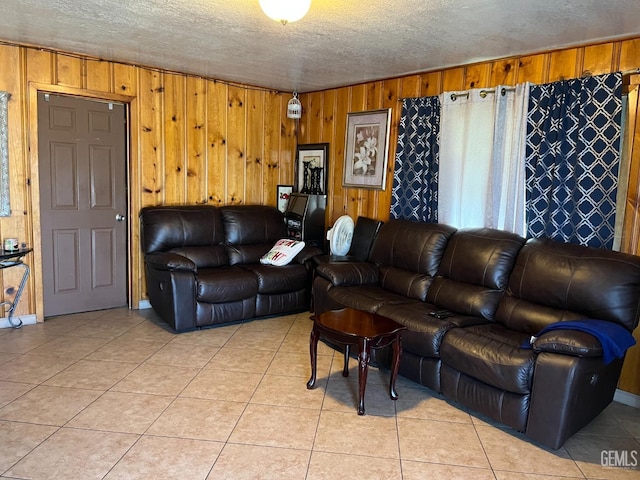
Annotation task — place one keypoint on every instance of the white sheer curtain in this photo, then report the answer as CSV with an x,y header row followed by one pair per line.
x,y
482,141
466,142
506,208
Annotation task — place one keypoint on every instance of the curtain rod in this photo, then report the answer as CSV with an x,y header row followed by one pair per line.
x,y
483,93
503,90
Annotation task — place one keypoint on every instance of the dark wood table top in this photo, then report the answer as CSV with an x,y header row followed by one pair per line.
x,y
358,323
14,254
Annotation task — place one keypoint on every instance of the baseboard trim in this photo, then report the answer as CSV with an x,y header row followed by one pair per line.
x,y
627,398
144,304
26,320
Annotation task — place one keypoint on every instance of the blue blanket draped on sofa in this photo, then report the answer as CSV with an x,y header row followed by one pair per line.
x,y
614,338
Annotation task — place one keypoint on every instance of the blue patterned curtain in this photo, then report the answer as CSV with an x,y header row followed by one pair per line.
x,y
572,157
415,178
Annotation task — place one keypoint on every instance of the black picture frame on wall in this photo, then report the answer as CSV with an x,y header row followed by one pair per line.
x,y
312,162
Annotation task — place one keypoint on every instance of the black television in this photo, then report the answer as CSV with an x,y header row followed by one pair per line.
x,y
297,204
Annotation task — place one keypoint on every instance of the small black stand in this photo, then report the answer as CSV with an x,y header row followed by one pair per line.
x,y
13,258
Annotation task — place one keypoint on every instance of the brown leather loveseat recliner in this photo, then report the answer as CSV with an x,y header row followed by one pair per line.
x,y
498,291
202,265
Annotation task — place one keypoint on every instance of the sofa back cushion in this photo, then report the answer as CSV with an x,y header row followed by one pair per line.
x,y
194,231
250,231
553,281
409,254
474,271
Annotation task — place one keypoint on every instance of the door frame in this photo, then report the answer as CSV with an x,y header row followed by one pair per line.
x,y
33,182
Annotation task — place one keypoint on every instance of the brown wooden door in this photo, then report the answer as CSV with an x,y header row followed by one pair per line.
x,y
82,168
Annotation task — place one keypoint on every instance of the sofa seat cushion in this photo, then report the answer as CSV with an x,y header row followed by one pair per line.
x,y
273,280
367,297
226,284
492,354
464,297
424,332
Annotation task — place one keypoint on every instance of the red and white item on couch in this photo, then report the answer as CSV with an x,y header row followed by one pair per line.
x,y
282,252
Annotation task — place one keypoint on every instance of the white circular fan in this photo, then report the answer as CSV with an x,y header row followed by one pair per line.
x,y
340,235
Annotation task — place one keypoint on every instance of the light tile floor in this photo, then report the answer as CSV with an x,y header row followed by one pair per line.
x,y
116,395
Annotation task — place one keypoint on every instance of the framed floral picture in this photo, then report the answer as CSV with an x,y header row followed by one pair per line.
x,y
366,149
311,168
284,192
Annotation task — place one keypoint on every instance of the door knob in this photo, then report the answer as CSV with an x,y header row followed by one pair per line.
x,y
119,217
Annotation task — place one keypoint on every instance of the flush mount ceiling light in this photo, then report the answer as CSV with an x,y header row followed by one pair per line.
x,y
285,11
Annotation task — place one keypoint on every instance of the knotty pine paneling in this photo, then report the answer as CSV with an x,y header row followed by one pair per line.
x,y
432,83
411,86
236,143
629,55
503,72
477,76
150,155
271,148
535,68
255,147
599,59
174,122
223,127
196,140
337,194
69,71
564,65
192,140
125,79
217,95
99,75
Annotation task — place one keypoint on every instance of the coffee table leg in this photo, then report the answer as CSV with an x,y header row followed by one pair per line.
x,y
313,350
345,369
363,367
397,352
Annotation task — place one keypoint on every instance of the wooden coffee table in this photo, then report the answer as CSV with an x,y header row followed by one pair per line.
x,y
364,330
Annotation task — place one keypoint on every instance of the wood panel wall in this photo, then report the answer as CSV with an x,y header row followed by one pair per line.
x,y
196,140
192,140
325,112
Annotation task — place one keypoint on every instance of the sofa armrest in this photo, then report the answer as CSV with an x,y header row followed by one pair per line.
x,y
349,274
170,262
567,393
568,342
306,254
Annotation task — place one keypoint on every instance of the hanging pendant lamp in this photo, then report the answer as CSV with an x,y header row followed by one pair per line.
x,y
294,107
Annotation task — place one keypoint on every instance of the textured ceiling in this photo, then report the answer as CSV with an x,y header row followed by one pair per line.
x,y
339,42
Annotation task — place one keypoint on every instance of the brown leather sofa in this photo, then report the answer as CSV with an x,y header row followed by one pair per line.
x,y
499,291
202,265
